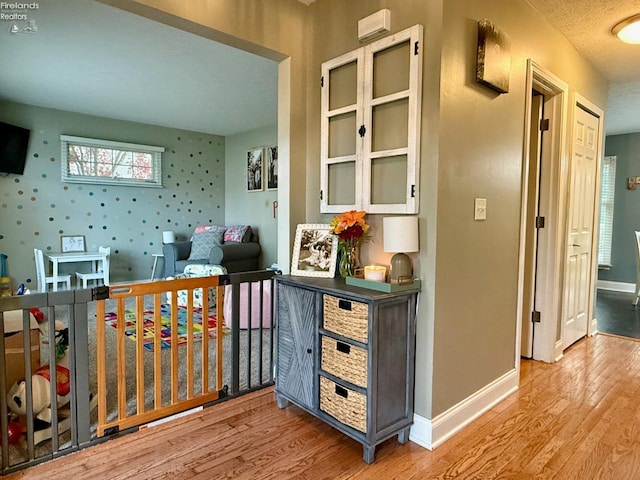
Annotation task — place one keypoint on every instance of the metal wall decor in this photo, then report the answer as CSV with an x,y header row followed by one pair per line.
x,y
494,57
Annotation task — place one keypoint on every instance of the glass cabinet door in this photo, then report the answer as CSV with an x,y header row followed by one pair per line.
x,y
370,129
341,147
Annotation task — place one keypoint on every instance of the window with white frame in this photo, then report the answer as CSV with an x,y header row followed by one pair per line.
x,y
90,160
607,197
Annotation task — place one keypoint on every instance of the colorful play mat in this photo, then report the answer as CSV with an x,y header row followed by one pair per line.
x,y
111,318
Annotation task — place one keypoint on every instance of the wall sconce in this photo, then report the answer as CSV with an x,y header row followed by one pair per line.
x,y
628,30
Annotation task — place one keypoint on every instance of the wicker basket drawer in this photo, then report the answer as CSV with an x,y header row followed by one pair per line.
x,y
346,318
348,362
345,405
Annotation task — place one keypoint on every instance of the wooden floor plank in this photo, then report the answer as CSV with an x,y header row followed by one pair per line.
x,y
577,418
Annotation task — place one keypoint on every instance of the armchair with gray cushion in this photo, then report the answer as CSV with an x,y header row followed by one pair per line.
x,y
235,256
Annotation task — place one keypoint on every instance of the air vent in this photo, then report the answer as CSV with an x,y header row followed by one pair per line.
x,y
374,25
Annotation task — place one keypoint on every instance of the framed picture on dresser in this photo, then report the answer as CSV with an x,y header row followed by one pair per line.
x,y
315,251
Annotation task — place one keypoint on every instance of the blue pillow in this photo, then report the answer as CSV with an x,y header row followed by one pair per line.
x,y
202,243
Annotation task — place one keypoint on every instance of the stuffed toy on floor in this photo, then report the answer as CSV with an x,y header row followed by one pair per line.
x,y
41,387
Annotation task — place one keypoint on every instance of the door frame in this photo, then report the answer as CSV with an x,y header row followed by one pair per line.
x,y
581,102
547,344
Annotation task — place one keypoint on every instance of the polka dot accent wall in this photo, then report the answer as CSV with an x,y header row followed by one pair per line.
x,y
37,208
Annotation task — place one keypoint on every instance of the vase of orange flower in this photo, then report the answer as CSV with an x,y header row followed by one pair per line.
x,y
351,230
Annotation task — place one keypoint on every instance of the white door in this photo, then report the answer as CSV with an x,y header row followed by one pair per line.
x,y
531,233
582,188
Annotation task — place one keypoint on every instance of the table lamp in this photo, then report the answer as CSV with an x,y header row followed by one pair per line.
x,y
400,237
168,237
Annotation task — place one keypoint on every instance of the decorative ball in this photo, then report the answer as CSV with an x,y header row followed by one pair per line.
x,y
14,430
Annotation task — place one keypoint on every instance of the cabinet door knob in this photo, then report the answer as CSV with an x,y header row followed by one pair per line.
x,y
309,350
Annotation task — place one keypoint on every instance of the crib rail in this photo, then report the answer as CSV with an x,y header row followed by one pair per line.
x,y
159,407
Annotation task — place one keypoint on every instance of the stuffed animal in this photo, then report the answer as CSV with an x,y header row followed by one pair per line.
x,y
41,385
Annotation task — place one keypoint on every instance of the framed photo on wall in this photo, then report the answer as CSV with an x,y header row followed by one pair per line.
x,y
72,243
315,251
271,166
254,170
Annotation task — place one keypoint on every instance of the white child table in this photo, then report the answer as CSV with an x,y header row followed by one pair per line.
x,y
98,259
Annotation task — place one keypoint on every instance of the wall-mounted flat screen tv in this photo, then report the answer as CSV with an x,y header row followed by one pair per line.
x,y
14,142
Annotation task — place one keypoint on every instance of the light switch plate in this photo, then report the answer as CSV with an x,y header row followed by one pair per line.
x,y
480,209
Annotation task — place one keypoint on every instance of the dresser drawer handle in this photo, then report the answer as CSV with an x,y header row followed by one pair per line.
x,y
344,305
343,347
343,392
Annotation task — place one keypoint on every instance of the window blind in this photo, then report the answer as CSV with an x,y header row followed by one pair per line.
x,y
607,197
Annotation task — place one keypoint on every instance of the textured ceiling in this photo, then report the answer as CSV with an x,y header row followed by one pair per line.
x,y
91,58
587,24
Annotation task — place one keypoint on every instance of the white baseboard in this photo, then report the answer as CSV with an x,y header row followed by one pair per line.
x,y
421,431
617,286
432,433
559,351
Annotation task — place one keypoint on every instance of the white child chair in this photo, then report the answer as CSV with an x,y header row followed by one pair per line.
x,y
41,275
97,274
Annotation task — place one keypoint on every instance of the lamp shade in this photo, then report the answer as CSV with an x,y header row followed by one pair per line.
x,y
400,234
168,237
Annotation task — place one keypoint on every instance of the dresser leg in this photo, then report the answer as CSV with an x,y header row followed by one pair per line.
x,y
281,401
368,453
403,435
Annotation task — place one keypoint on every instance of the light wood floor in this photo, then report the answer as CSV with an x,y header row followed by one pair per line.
x,y
576,419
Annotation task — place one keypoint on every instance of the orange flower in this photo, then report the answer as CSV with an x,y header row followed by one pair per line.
x,y
352,217
349,224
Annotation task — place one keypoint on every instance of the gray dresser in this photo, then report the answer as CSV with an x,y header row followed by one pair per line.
x,y
346,355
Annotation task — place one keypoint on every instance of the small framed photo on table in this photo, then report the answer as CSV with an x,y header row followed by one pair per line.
x,y
72,243
315,251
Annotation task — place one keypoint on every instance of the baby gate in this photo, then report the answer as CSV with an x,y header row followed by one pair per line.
x,y
121,375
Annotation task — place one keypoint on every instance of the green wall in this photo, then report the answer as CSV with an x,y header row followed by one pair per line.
x,y
253,208
36,208
626,216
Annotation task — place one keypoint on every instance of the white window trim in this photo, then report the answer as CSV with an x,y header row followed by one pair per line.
x,y
155,151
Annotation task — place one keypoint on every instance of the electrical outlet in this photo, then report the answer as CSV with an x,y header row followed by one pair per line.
x,y
480,209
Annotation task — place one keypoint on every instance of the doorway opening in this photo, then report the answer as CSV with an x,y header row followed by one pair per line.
x,y
544,187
